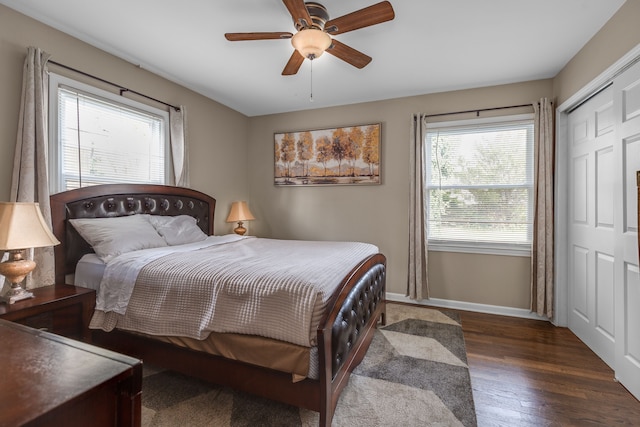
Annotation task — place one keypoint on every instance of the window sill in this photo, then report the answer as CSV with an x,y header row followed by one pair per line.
x,y
481,248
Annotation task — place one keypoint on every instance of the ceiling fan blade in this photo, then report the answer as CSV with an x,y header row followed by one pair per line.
x,y
348,54
372,15
298,12
234,37
294,64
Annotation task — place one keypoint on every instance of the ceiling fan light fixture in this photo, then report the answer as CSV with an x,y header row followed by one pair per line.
x,y
310,42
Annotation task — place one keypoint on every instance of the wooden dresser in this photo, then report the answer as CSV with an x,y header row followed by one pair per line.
x,y
50,380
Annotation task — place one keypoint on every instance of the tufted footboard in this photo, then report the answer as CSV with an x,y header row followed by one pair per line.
x,y
348,329
356,311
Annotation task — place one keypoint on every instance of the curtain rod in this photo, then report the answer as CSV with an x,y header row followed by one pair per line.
x,y
120,87
477,111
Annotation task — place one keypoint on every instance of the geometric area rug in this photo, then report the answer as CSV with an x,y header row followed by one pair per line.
x,y
415,373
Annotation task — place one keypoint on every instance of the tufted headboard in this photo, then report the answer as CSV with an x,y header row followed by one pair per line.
x,y
114,200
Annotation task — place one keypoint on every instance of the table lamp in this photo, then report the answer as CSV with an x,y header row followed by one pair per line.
x,y
21,227
239,212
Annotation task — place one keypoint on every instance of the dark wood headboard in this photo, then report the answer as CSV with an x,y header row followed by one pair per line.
x,y
115,200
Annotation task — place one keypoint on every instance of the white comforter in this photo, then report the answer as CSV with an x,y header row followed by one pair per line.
x,y
273,288
121,273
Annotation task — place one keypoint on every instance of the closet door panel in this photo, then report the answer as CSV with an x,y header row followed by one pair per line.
x,y
592,224
627,123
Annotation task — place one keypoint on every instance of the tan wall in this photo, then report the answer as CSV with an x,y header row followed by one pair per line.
x,y
617,37
379,214
216,133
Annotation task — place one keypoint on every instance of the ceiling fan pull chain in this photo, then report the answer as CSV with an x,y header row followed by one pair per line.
x,y
311,84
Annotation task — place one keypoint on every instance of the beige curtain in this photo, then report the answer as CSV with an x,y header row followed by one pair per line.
x,y
418,283
542,251
30,181
179,151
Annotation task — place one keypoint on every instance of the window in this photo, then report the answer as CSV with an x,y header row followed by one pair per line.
x,y
480,185
98,137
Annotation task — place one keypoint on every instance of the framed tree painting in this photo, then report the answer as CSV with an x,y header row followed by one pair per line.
x,y
336,156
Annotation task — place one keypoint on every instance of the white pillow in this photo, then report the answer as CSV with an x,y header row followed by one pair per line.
x,y
177,230
110,237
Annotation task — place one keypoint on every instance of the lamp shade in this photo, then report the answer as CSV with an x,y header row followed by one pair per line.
x,y
310,42
239,212
22,226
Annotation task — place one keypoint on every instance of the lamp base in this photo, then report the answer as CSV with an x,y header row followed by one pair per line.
x,y
16,293
240,229
15,269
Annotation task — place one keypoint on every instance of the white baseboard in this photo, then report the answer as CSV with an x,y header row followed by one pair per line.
x,y
468,306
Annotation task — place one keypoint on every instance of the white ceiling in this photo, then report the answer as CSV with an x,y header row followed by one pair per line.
x,y
430,46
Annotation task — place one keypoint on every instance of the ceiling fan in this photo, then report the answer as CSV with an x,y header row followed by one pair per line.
x,y
314,31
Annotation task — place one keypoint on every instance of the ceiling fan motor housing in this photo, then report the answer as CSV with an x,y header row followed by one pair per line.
x,y
319,16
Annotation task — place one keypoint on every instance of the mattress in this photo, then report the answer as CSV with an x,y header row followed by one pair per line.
x,y
89,272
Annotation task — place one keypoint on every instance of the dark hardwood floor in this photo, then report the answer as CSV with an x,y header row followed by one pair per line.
x,y
530,373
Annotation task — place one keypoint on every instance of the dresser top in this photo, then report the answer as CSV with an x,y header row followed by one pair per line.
x,y
42,371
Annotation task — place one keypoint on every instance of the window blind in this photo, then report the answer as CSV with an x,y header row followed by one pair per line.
x,y
102,141
480,182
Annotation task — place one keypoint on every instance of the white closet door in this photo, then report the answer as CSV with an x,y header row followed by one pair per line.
x,y
602,226
591,224
627,302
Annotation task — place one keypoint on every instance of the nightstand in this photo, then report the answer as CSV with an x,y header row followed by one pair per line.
x,y
61,309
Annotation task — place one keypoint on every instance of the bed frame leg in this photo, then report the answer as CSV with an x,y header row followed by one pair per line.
x,y
326,416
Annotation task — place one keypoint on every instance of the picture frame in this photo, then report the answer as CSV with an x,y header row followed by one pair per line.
x,y
348,155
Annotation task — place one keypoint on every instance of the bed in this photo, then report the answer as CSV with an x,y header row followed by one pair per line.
x,y
340,340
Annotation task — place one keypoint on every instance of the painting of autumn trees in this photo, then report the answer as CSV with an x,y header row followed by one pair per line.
x,y
346,155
